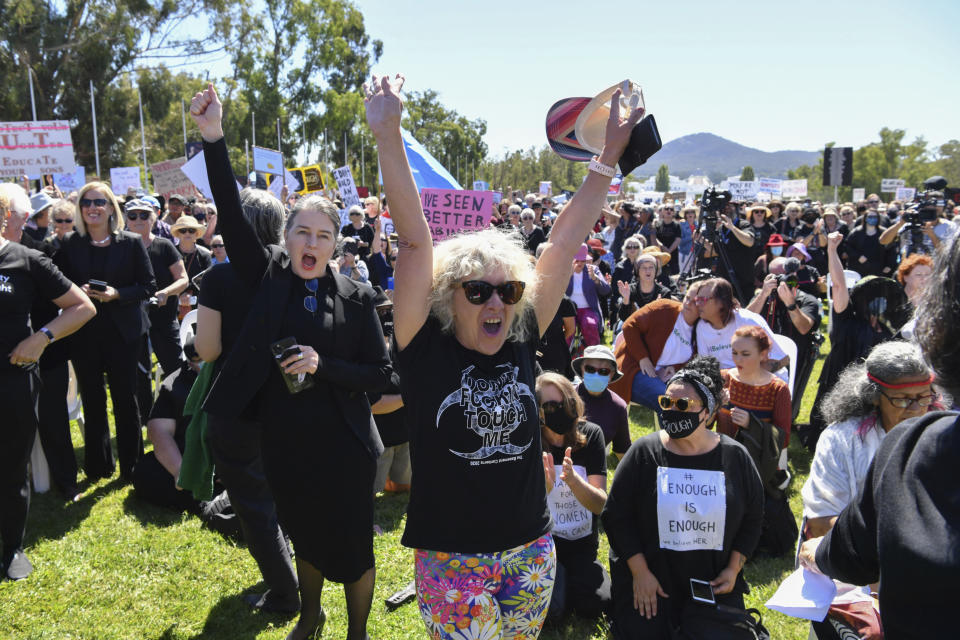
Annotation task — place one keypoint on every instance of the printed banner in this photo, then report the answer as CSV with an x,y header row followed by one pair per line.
x,y
168,179
449,211
267,160
890,185
769,185
124,178
347,187
691,508
793,188
571,520
43,146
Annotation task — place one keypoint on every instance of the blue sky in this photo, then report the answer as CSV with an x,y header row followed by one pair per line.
x,y
771,75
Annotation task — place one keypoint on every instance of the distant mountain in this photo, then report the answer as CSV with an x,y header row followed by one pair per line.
x,y
716,157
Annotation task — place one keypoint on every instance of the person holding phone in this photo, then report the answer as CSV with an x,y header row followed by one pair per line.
x,y
685,508
320,444
112,266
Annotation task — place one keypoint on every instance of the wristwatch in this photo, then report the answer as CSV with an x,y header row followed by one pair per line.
x,y
597,167
792,307
47,333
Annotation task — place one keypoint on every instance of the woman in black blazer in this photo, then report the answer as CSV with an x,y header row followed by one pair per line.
x,y
100,251
320,444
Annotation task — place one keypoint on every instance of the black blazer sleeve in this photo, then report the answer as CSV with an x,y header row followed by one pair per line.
x,y
370,369
247,255
144,282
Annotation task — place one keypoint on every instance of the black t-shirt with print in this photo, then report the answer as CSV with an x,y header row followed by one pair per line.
x,y
477,484
592,456
25,275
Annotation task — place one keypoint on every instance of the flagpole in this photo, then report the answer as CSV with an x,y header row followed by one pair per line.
x,y
363,171
183,117
33,104
344,148
96,148
143,137
253,127
246,144
303,134
279,143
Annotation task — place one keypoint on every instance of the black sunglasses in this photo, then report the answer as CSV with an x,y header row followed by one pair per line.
x,y
63,220
666,403
604,371
143,215
99,202
551,406
310,300
216,246
478,291
190,231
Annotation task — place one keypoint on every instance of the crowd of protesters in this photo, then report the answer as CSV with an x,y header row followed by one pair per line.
x,y
310,360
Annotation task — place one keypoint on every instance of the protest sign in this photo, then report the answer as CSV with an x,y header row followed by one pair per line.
x,y
905,194
793,188
168,179
889,185
675,196
691,508
196,170
546,188
615,185
363,192
764,196
346,186
68,182
571,520
743,189
43,146
192,148
859,194
497,197
480,185
123,178
449,211
276,184
769,185
267,160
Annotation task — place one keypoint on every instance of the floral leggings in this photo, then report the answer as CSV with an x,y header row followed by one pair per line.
x,y
485,596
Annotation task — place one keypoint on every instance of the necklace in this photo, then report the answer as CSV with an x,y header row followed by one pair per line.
x,y
100,242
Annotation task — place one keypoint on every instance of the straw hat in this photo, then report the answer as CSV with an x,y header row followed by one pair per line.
x,y
188,222
664,258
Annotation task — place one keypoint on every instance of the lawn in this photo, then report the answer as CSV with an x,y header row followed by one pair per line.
x,y
111,567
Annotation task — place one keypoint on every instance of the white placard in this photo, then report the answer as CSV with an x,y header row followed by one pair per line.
x,y
347,187
43,146
68,182
276,186
196,170
691,508
123,178
769,185
805,595
859,194
793,188
743,189
890,185
571,520
480,185
267,161
546,188
905,194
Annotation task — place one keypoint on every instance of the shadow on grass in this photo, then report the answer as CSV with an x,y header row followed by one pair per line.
x,y
232,618
52,516
389,509
151,514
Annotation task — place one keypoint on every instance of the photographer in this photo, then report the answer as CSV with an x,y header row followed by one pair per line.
x,y
921,229
737,240
792,313
865,253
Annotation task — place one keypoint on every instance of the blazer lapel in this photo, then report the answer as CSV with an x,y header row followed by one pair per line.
x,y
115,258
278,296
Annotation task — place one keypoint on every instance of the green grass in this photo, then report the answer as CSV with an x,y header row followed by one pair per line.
x,y
111,567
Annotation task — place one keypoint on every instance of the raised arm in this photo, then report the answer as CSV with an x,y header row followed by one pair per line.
x,y
413,274
247,255
577,218
841,297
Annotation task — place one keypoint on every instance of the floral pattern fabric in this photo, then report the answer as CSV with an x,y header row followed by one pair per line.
x,y
486,596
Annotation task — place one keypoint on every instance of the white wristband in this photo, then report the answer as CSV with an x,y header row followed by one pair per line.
x,y
597,167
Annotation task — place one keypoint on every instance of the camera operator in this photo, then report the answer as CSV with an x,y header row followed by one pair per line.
x,y
793,313
737,239
921,229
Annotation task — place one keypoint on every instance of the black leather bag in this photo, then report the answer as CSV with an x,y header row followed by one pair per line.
x,y
720,622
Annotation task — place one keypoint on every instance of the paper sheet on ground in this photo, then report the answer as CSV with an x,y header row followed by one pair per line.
x,y
804,594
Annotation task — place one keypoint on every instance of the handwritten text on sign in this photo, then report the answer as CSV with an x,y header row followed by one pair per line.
x,y
35,147
347,187
691,508
449,211
571,520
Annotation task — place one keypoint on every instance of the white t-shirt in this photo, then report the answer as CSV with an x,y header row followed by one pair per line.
x,y
679,345
716,342
576,296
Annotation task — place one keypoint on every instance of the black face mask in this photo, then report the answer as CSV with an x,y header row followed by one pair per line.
x,y
679,424
558,420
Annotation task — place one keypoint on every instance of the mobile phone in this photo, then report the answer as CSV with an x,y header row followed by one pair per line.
x,y
702,591
97,285
283,349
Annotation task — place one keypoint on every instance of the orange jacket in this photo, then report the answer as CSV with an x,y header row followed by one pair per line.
x,y
645,333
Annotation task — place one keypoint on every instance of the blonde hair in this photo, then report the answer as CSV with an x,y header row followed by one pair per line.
x,y
467,256
372,200
116,219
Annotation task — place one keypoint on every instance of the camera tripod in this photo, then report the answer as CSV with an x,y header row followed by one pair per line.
x,y
696,256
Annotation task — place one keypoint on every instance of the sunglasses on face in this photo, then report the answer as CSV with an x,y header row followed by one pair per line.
x,y
903,403
133,215
551,406
478,291
633,248
680,404
190,231
310,300
604,371
97,202
63,220
216,246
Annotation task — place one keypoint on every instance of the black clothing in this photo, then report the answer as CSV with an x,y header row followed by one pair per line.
x,y
792,232
364,233
741,260
306,467
626,227
878,257
391,426
902,528
667,232
624,271
639,299
475,440
196,262
630,522
533,240
37,233
554,353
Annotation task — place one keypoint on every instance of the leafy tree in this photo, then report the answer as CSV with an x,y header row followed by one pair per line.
x,y
524,169
947,163
663,179
747,175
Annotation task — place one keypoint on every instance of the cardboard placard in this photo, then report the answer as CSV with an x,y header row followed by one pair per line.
x,y
347,187
267,161
168,179
124,178
890,185
43,146
449,211
859,194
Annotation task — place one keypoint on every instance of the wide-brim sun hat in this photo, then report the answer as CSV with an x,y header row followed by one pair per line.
x,y
188,222
597,352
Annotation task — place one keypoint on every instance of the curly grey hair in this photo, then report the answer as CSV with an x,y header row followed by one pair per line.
x,y
938,316
469,256
856,396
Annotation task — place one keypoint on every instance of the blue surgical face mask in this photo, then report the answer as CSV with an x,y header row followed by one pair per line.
x,y
595,383
776,251
872,220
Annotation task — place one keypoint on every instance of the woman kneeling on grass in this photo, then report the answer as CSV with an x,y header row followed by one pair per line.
x,y
468,315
